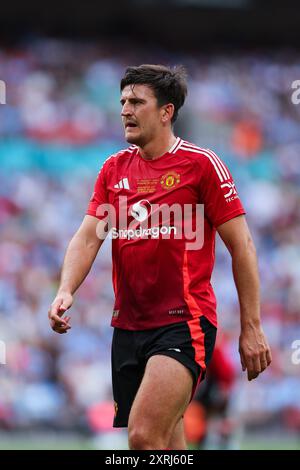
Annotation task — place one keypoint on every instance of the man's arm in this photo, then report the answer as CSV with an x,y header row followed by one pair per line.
x,y
253,346
79,257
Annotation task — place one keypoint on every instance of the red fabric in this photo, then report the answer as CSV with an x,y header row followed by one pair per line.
x,y
222,368
159,281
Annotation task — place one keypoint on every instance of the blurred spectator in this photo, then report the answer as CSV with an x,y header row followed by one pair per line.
x,y
207,417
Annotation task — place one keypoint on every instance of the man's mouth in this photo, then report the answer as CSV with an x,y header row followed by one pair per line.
x,y
130,124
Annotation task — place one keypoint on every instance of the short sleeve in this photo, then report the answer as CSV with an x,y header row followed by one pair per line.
x,y
99,195
218,192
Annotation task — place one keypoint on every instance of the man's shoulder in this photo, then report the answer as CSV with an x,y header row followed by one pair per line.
x,y
113,159
123,152
195,152
206,158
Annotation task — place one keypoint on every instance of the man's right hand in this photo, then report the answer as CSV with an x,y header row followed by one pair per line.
x,y
61,303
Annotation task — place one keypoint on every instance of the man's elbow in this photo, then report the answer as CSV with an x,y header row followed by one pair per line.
x,y
243,246
83,242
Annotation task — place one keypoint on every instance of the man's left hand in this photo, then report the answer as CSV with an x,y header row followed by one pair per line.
x,y
254,351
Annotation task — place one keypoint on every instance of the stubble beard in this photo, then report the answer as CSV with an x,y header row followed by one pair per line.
x,y
138,140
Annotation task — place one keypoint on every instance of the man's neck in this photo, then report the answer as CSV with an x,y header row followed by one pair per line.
x,y
158,147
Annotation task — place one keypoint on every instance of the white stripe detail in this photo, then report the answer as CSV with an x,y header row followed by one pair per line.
x,y
217,163
172,149
209,153
192,149
221,163
125,183
177,147
202,152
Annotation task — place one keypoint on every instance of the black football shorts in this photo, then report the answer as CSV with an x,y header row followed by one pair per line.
x,y
190,342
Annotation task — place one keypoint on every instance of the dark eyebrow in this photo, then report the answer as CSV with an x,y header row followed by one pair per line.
x,y
132,100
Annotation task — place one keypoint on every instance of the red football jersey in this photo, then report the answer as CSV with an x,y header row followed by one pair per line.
x,y
158,278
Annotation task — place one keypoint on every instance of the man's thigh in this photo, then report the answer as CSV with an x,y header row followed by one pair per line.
x,y
163,396
180,355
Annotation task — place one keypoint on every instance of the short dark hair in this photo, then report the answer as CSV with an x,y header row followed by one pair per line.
x,y
168,84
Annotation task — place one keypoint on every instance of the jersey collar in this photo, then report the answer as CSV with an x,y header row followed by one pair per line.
x,y
175,146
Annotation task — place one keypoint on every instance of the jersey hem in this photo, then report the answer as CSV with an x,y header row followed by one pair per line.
x,y
229,216
212,319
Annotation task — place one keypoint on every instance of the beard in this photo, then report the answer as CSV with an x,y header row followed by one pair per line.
x,y
141,138
138,140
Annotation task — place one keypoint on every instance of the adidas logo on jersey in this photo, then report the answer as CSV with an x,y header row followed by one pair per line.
x,y
123,183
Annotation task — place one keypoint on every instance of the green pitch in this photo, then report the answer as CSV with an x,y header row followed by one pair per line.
x,y
78,443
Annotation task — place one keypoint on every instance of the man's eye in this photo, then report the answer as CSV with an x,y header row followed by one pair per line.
x,y
133,102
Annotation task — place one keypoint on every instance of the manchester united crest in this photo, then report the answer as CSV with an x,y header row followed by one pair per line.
x,y
170,180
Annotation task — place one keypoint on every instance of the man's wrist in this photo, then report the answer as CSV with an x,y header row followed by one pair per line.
x,y
250,324
64,291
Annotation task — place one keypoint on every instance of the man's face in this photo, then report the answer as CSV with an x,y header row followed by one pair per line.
x,y
141,116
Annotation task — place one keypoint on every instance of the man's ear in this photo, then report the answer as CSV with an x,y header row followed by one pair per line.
x,y
168,112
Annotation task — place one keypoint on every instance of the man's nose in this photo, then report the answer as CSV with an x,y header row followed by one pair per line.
x,y
126,110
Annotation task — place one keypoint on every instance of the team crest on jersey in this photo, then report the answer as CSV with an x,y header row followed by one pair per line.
x,y
170,180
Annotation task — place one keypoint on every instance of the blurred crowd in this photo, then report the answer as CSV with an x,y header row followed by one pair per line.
x,y
63,105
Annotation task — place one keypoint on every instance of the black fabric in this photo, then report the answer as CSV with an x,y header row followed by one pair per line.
x,y
132,349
